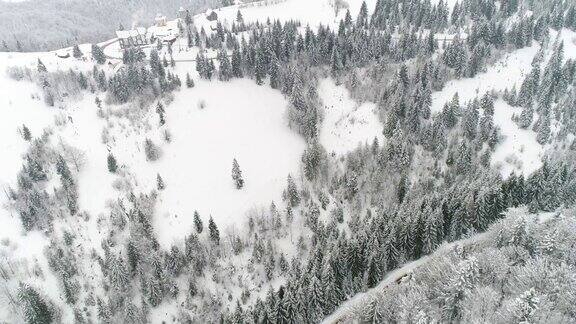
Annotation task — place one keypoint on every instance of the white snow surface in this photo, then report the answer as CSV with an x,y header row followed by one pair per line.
x,y
519,152
346,123
504,74
241,120
308,12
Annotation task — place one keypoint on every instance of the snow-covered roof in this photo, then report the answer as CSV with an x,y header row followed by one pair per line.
x,y
131,33
168,30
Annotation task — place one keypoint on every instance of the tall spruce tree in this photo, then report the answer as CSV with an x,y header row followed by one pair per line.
x,y
237,175
214,232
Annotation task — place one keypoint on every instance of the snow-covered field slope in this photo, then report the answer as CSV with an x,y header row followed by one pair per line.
x,y
504,74
508,72
308,12
346,123
21,103
519,151
241,120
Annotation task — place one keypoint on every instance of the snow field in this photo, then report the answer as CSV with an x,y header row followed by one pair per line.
x,y
519,152
21,103
317,12
241,120
346,123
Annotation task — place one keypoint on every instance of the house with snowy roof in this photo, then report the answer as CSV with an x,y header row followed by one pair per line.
x,y
132,38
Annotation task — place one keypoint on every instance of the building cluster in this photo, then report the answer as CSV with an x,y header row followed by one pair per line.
x,y
163,30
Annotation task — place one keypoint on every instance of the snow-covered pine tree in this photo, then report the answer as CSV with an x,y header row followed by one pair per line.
x,y
76,52
160,182
291,193
214,232
41,67
198,225
26,133
36,309
225,72
237,175
236,63
189,81
160,111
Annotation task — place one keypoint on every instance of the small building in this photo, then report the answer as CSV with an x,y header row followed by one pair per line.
x,y
212,16
160,21
132,38
166,34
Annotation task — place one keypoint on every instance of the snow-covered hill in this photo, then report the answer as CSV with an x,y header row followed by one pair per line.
x,y
213,182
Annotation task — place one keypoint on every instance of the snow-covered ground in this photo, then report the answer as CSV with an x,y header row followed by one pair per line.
x,y
308,12
21,103
504,74
241,120
519,152
346,122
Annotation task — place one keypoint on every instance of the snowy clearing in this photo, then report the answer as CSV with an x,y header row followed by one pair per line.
x,y
316,12
504,74
346,123
241,120
519,152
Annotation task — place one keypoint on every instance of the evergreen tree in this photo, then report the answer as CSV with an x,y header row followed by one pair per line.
x,y
198,222
41,67
118,274
237,175
260,67
76,51
291,193
189,81
36,310
274,72
26,133
336,61
526,117
239,18
213,230
112,165
98,54
236,63
362,20
225,72
543,133
160,111
348,18
159,182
